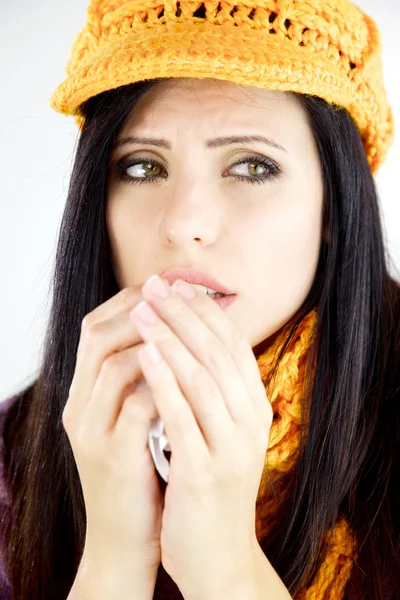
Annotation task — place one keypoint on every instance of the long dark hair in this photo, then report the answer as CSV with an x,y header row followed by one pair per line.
x,y
350,462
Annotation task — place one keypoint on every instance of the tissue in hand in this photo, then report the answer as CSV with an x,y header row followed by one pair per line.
x,y
157,442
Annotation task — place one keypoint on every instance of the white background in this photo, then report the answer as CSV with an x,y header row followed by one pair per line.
x,y
36,151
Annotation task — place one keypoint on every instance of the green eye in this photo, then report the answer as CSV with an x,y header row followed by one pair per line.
x,y
263,169
270,169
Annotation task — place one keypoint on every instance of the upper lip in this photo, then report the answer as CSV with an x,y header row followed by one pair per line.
x,y
197,277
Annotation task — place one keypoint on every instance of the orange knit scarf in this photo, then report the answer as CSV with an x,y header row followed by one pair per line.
x,y
286,399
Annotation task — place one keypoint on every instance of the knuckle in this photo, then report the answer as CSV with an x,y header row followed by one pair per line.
x,y
86,321
138,409
90,332
128,295
134,408
114,362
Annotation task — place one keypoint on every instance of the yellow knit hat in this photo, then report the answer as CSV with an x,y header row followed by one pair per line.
x,y
327,48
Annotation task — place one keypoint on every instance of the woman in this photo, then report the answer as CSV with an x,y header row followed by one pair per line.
x,y
280,405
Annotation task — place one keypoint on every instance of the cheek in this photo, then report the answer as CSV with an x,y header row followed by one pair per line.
x,y
125,241
298,245
285,251
290,229
279,279
117,228
124,225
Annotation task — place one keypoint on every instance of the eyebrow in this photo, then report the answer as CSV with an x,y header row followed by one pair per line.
x,y
211,143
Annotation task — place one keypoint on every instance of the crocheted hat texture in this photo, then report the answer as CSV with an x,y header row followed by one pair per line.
x,y
286,394
326,48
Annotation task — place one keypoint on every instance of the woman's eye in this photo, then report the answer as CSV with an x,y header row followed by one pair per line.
x,y
142,170
260,169
253,169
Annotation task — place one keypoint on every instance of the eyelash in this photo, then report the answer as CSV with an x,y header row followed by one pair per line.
x,y
125,164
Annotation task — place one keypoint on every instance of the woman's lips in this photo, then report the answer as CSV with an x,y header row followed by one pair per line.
x,y
225,301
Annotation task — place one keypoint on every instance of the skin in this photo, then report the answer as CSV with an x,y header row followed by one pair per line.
x,y
262,241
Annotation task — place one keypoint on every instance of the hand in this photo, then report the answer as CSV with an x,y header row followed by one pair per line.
x,y
107,423
209,393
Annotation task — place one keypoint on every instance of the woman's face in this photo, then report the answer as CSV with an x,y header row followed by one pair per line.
x,y
262,239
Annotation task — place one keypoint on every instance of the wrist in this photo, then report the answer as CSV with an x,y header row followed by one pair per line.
x,y
104,580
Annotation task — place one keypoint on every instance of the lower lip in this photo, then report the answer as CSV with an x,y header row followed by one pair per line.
x,y
225,301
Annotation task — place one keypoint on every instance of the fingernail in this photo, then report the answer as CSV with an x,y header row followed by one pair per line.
x,y
145,313
157,287
183,288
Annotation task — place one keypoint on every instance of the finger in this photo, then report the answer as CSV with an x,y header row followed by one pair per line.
x,y
226,351
199,390
121,302
106,330
117,380
100,341
185,438
113,306
216,352
137,414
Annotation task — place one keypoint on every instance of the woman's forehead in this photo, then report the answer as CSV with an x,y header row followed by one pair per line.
x,y
211,90
213,103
